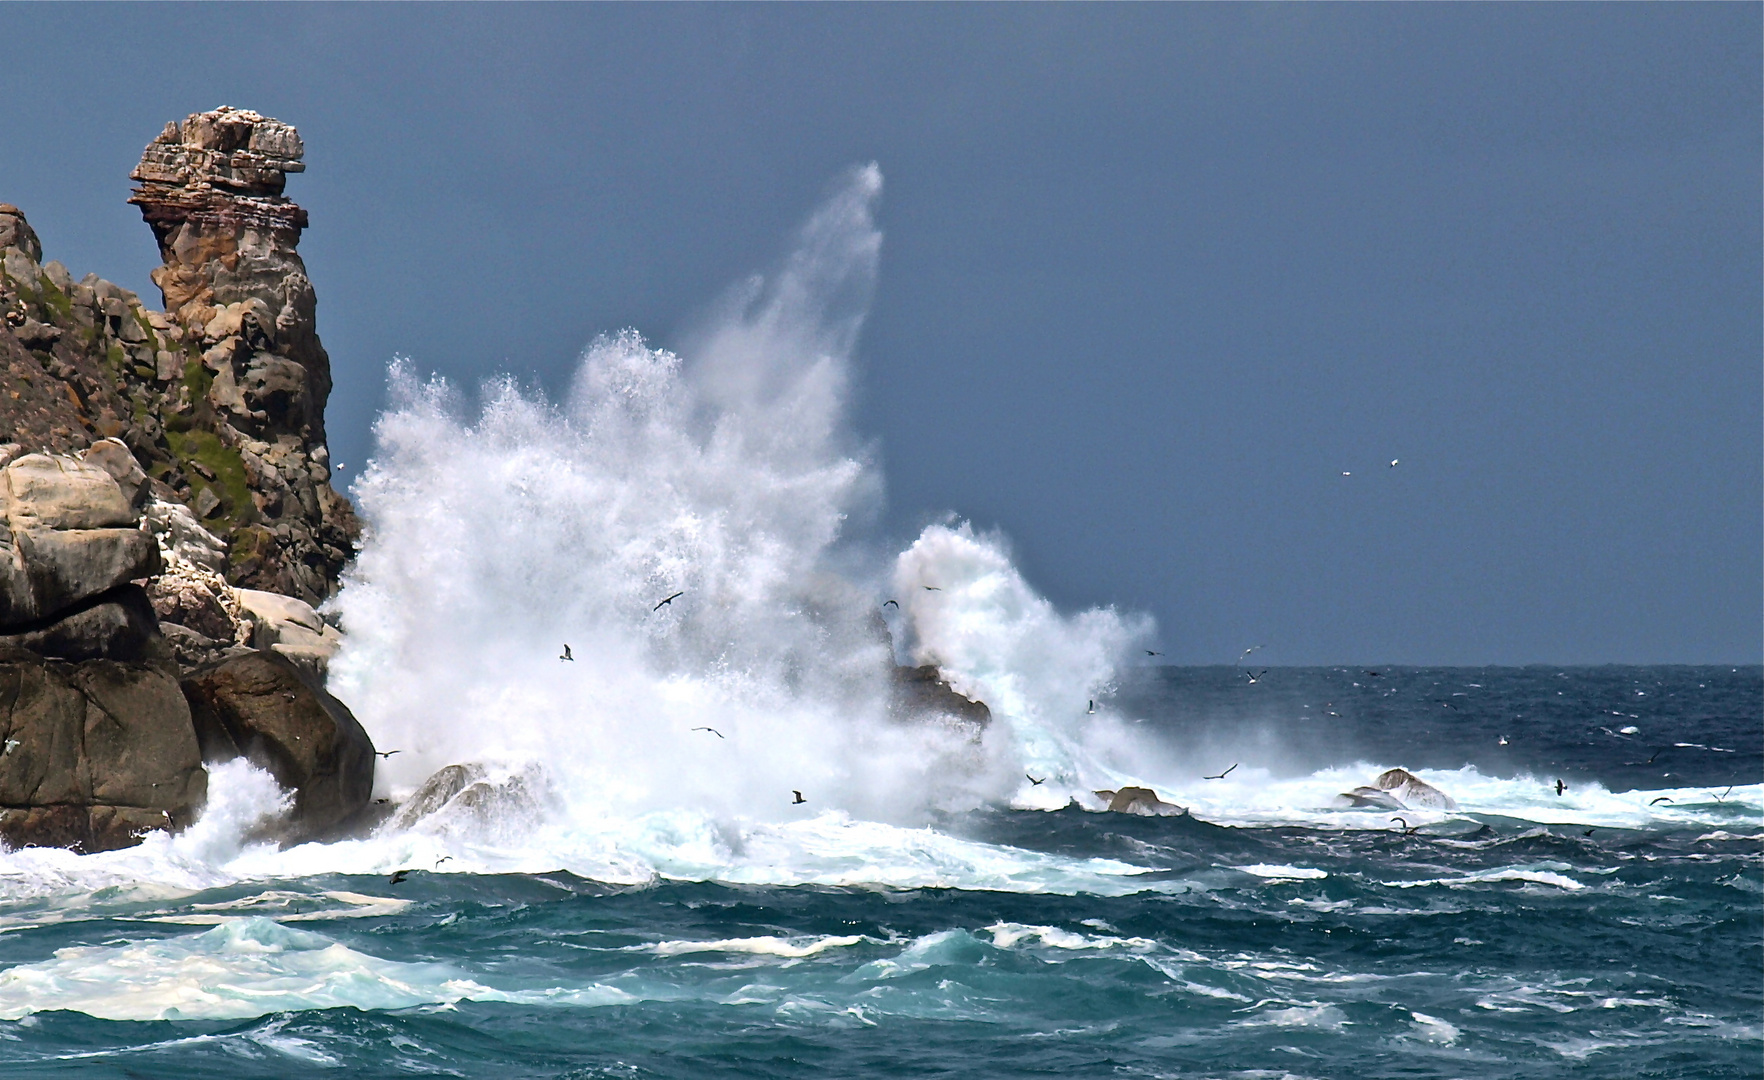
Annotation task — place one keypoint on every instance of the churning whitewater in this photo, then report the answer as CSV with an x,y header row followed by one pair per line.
x,y
729,480
642,618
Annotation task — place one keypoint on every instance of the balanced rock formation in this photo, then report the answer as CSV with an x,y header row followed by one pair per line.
x,y
1139,800
256,376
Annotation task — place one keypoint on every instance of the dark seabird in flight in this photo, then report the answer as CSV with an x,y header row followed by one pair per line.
x,y
442,859
799,799
1034,782
892,603
932,588
1560,787
668,601
1222,775
566,653
1257,677
1651,758
1092,708
1407,828
386,753
712,730
1148,652
398,878
1660,800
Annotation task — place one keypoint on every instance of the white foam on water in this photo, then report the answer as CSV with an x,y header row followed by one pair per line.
x,y
1549,873
1434,1030
1281,872
787,948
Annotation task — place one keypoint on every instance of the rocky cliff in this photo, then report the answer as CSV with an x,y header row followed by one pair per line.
x,y
167,523
221,397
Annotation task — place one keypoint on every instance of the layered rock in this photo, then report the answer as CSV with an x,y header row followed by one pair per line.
x,y
256,375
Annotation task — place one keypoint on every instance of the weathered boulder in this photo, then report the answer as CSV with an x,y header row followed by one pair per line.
x,y
289,626
116,625
93,753
69,550
918,691
261,706
470,796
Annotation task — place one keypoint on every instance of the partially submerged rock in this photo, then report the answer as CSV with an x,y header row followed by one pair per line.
x,y
1140,800
1414,791
1364,797
262,707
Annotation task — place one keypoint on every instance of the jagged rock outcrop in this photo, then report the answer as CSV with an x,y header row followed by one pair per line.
x,y
261,706
235,286
919,691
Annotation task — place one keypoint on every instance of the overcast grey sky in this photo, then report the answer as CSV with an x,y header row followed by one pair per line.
x,y
1153,277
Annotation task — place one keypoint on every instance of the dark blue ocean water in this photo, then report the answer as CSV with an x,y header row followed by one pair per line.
x,y
1616,930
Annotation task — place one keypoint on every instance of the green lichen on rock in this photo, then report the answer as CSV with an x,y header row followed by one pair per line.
x,y
199,447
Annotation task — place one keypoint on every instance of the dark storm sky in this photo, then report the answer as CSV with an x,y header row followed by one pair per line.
x,y
1153,277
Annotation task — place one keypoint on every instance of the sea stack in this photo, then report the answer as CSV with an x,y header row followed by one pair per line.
x,y
252,377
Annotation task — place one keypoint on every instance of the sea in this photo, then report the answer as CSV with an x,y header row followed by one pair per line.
x,y
652,618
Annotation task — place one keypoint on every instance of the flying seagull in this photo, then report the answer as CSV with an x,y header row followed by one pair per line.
x,y
1393,463
386,753
892,603
1723,796
668,601
1148,652
1249,650
1650,760
566,653
1560,787
799,799
1034,782
1347,474
932,588
1660,800
1092,708
1407,828
442,859
712,730
398,878
1257,677
1222,775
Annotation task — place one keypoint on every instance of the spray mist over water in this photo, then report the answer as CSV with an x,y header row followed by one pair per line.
x,y
730,478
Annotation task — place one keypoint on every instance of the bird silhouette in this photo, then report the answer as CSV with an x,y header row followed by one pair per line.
x,y
386,753
1257,677
1660,800
892,603
1651,758
566,653
712,730
1249,650
1222,775
932,588
1092,708
799,799
1148,652
1407,828
398,878
1034,782
668,601
1393,463
1560,787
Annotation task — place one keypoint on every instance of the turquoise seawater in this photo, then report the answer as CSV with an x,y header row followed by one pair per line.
x,y
1614,930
